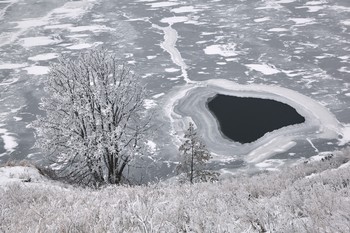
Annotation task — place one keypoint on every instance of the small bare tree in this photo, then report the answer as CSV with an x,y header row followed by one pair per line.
x,y
93,127
193,158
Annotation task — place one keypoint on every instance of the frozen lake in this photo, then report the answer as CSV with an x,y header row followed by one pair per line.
x,y
296,52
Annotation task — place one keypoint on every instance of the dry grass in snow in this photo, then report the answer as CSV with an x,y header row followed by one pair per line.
x,y
307,198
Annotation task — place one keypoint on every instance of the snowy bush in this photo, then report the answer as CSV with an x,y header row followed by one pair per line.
x,y
312,197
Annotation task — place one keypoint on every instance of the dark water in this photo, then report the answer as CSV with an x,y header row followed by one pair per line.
x,y
245,120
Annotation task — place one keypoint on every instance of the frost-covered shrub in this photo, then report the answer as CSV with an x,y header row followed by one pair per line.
x,y
293,200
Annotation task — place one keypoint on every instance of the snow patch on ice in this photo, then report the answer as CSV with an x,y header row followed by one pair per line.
x,y
83,46
92,28
345,135
225,50
152,146
148,103
264,19
44,57
162,4
58,26
171,70
302,21
39,41
28,23
263,68
278,30
175,19
185,9
346,22
158,95
151,57
37,70
10,142
10,66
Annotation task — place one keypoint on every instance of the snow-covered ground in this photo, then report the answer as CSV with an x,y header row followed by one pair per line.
x,y
293,51
310,197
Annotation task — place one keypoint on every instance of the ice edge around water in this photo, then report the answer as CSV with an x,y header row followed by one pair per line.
x,y
188,103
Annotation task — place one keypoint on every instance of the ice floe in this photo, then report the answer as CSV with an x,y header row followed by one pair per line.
x,y
10,66
37,70
43,57
264,19
80,46
162,4
171,70
148,103
185,9
10,142
175,19
345,22
152,146
225,50
278,30
158,95
263,68
302,21
39,41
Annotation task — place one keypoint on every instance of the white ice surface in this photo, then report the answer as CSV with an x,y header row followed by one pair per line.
x,y
345,135
171,70
278,30
152,146
44,57
84,46
185,9
148,103
39,41
264,19
225,50
163,4
37,70
10,142
302,21
346,22
59,26
158,95
174,19
92,28
10,66
263,68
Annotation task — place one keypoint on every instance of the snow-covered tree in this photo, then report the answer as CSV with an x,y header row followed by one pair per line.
x,y
93,128
193,159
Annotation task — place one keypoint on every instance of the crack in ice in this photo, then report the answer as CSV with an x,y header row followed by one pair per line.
x,y
169,45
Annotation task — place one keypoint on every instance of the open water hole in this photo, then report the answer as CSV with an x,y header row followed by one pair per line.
x,y
246,119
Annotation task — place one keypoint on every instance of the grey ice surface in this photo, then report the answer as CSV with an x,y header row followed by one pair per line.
x,y
300,45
